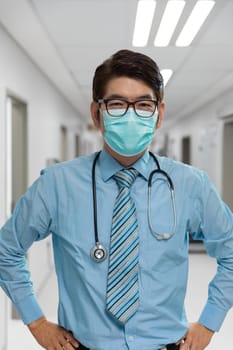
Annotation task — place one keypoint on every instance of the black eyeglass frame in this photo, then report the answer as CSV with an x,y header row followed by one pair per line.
x,y
105,101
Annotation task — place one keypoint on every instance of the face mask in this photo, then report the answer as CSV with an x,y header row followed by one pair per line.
x,y
129,135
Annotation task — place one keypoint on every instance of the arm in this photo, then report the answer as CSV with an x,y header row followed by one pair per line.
x,y
32,220
214,225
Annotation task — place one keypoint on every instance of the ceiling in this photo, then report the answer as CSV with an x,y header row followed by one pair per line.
x,y
67,39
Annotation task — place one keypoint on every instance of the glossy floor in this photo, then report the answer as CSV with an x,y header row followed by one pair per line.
x,y
202,268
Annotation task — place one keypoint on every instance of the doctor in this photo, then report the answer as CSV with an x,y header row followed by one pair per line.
x,y
120,285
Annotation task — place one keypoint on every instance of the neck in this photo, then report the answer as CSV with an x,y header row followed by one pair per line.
x,y
123,160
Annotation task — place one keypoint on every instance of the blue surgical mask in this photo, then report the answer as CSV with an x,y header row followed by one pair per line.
x,y
129,135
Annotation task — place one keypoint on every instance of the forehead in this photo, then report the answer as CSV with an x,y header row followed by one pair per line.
x,y
127,87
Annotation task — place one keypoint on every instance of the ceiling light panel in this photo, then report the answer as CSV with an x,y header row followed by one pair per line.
x,y
166,74
143,22
196,19
168,22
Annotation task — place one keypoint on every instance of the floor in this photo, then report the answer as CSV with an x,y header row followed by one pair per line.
x,y
202,268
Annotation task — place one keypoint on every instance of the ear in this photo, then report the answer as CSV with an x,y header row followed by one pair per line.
x,y
161,108
94,108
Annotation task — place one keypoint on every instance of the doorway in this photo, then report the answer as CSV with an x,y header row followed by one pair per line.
x,y
64,143
17,160
16,151
186,150
227,177
77,145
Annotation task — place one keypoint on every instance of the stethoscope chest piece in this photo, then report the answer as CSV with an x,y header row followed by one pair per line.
x,y
98,252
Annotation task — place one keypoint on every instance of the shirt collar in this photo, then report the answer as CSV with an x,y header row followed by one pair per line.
x,y
109,166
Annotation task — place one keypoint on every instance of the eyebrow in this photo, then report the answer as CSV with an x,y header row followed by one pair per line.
x,y
142,97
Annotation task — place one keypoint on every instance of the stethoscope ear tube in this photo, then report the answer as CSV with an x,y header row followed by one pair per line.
x,y
160,171
163,236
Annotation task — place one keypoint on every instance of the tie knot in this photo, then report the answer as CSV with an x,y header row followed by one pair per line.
x,y
125,177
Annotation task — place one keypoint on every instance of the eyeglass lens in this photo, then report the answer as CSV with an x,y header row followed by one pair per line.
x,y
143,108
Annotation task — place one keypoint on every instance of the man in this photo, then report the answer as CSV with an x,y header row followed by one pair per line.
x,y
134,298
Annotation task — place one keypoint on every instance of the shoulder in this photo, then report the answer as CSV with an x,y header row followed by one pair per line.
x,y
79,164
184,174
73,173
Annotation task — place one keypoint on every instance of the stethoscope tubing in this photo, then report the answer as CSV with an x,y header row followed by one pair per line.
x,y
94,197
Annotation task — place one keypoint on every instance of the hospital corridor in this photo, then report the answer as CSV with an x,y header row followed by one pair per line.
x,y
57,109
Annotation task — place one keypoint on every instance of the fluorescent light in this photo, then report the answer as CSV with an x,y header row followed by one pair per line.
x,y
197,17
166,74
168,22
143,22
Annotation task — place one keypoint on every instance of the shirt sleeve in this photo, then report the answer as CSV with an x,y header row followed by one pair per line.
x,y
216,230
31,221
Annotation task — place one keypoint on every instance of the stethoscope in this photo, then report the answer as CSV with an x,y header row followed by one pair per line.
x,y
99,252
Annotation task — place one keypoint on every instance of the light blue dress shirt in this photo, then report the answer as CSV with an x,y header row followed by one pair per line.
x,y
60,202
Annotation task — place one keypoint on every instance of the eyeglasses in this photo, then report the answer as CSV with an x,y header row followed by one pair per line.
x,y
119,107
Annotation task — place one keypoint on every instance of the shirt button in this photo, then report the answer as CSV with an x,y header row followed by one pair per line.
x,y
131,338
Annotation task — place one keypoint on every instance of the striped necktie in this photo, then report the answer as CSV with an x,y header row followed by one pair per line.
x,y
122,285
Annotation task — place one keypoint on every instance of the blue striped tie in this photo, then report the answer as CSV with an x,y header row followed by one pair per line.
x,y
122,285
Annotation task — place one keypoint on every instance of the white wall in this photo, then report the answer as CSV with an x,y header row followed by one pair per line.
x,y
47,111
